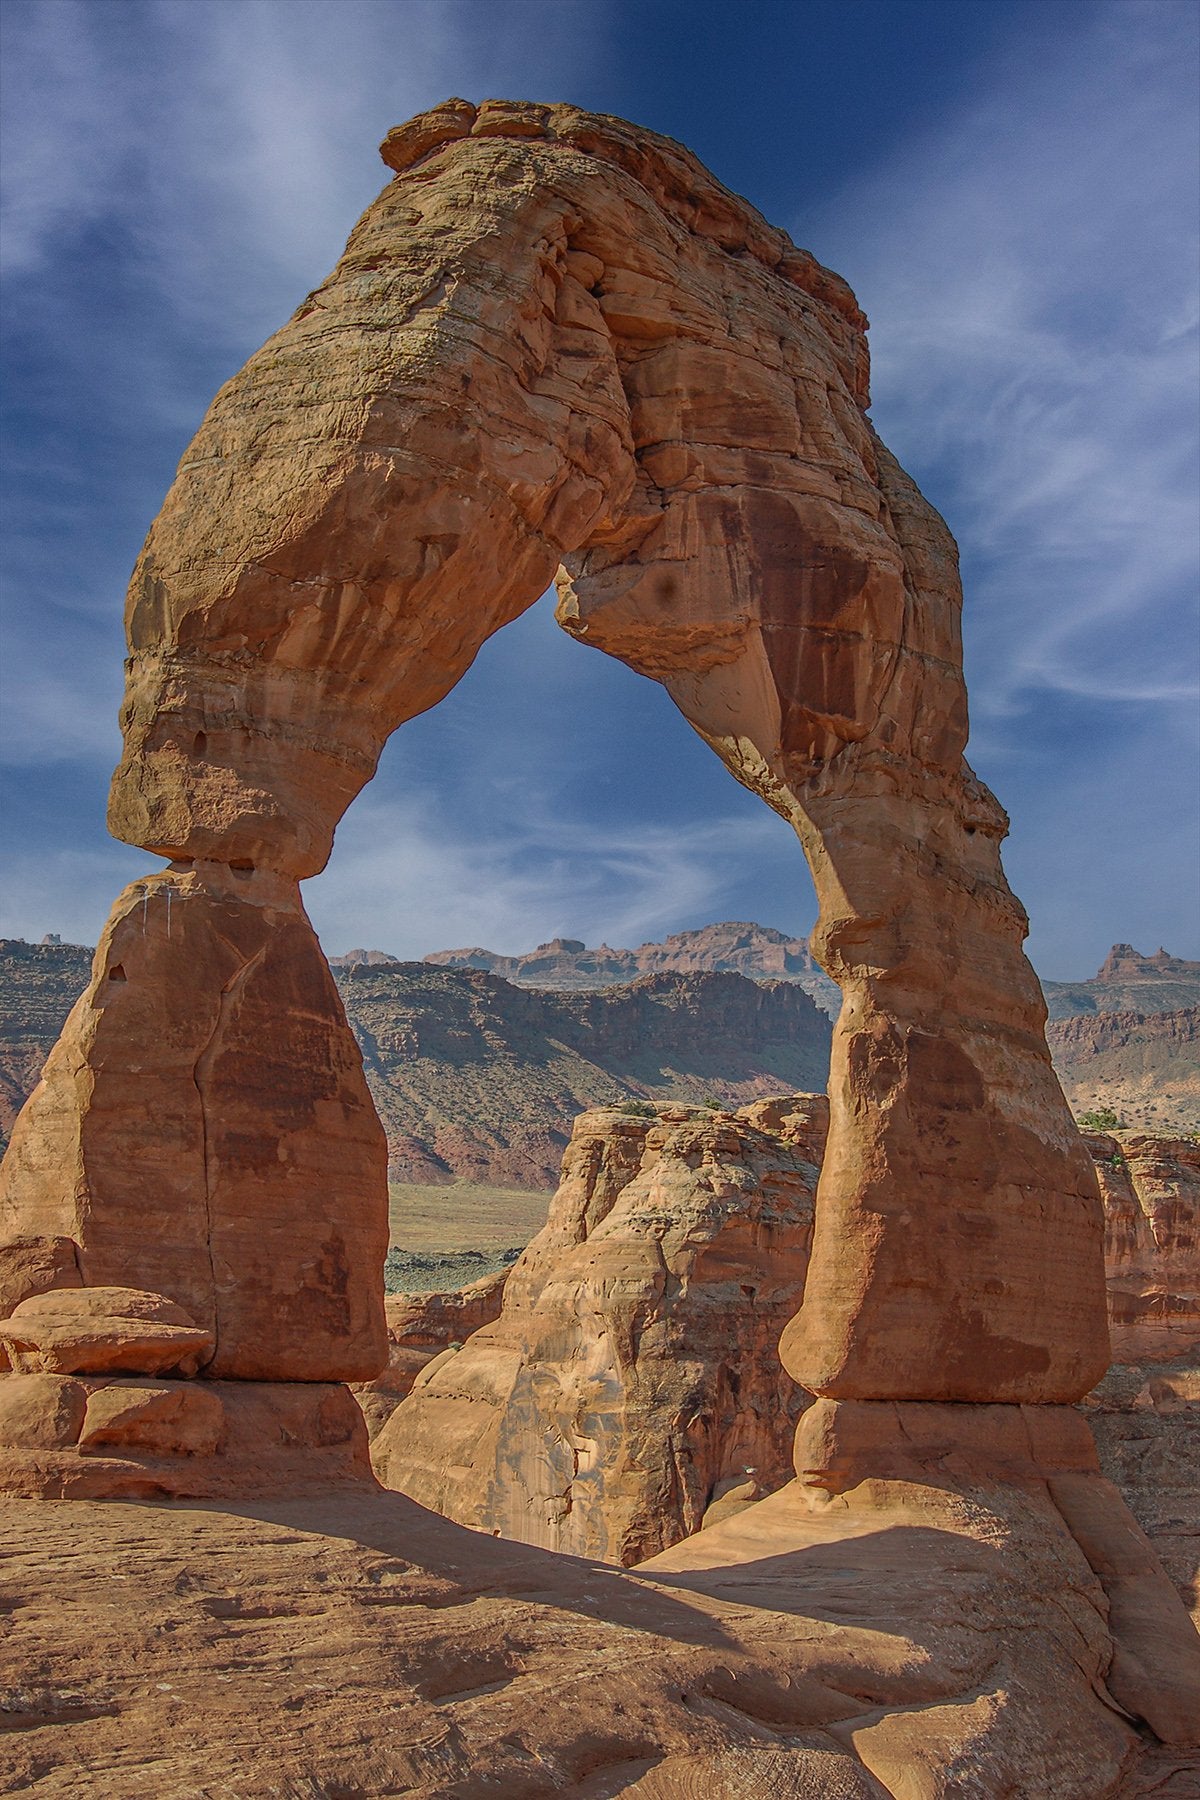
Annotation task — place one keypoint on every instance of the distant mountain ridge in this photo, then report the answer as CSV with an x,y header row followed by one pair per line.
x,y
480,1080
734,946
1143,1066
477,1075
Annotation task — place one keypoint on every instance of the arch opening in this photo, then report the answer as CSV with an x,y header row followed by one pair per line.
x,y
557,349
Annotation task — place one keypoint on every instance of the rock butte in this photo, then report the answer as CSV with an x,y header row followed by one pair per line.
x,y
557,349
632,1375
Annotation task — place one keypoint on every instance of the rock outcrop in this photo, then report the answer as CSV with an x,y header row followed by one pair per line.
x,y
202,1129
1145,1413
420,1327
632,1377
557,348
1151,1192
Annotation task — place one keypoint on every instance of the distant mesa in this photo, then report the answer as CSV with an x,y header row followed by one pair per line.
x,y
1128,982
363,959
1125,963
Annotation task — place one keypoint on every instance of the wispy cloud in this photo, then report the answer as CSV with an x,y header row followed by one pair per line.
x,y
1031,267
68,891
535,876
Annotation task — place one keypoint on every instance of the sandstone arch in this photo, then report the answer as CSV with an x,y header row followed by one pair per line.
x,y
557,348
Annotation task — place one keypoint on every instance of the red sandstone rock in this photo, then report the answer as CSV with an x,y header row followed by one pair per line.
x,y
41,1412
420,1327
172,1418
203,1129
1151,1192
596,361
634,1367
185,1440
102,1330
677,421
33,1265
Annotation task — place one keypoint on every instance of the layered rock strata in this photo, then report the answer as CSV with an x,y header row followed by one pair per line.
x,y
556,345
632,1377
556,348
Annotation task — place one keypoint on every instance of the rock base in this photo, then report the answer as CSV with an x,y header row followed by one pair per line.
x,y
66,1438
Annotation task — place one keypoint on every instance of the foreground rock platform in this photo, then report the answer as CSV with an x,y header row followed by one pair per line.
x,y
928,1643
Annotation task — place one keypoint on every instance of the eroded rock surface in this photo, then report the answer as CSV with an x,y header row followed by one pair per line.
x,y
556,347
633,1372
923,1639
420,1327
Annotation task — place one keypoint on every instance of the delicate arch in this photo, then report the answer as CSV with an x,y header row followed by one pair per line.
x,y
556,343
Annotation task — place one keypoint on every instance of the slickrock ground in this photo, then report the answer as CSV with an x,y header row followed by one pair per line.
x,y
633,1375
360,1646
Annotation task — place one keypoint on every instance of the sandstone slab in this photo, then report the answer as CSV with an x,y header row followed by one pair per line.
x,y
100,1330
168,1417
233,1440
931,1643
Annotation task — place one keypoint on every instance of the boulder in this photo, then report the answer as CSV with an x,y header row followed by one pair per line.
x,y
41,1412
34,1265
633,1370
102,1330
173,1418
31,1265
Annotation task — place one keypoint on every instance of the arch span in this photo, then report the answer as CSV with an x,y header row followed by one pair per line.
x,y
556,348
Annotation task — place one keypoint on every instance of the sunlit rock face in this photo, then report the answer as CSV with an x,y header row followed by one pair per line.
x,y
633,1374
556,347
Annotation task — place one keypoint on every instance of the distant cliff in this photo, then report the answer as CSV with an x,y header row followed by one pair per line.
x,y
1143,1066
476,1078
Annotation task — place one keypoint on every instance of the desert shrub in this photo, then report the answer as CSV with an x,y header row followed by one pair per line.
x,y
1102,1119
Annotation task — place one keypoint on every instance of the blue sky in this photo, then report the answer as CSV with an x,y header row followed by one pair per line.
x,y
1010,188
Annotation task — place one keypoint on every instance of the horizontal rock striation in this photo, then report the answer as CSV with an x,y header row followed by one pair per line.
x,y
479,1080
